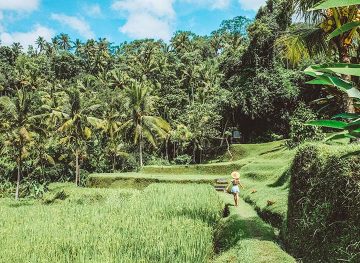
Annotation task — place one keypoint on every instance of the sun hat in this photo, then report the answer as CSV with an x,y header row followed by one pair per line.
x,y
235,175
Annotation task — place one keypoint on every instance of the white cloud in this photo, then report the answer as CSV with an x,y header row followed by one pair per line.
x,y
27,38
212,4
143,25
146,18
160,8
251,4
77,24
155,18
93,10
19,5
220,4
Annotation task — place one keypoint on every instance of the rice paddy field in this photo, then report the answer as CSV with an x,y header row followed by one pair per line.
x,y
163,223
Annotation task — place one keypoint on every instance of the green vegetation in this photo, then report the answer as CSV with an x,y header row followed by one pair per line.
x,y
324,204
103,225
170,112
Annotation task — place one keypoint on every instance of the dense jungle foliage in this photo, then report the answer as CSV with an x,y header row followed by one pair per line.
x,y
69,108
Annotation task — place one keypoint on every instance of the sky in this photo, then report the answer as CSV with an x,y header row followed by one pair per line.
x,y
117,20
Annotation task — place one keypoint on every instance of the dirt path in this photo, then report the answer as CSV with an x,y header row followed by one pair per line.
x,y
243,236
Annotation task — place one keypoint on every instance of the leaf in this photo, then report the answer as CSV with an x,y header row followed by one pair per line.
x,y
337,68
353,125
343,29
49,159
87,133
337,136
326,79
328,123
326,4
346,116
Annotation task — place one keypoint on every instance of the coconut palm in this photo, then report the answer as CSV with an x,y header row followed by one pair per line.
x,y
143,125
17,48
16,124
41,43
64,41
78,46
76,125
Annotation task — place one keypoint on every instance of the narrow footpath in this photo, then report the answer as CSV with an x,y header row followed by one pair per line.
x,y
242,236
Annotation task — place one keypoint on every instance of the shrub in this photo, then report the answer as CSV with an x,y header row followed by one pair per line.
x,y
182,159
323,222
299,132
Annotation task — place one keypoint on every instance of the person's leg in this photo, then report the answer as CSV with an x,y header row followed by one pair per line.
x,y
236,198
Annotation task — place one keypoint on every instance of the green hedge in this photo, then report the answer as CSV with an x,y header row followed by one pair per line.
x,y
323,221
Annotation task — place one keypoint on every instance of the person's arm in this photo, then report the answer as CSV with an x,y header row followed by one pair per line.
x,y
241,186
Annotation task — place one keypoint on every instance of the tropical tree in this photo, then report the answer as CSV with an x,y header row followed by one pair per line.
x,y
64,41
76,125
41,44
17,123
142,124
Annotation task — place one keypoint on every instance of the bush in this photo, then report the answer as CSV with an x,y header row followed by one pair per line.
x,y
157,161
323,222
182,159
299,132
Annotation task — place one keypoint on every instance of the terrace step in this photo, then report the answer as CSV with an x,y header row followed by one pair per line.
x,y
221,181
220,188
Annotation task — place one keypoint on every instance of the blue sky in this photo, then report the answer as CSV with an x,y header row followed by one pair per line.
x,y
117,20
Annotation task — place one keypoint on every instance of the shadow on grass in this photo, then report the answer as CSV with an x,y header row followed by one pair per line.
x,y
234,228
276,149
282,180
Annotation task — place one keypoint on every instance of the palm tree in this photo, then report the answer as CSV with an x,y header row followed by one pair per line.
x,y
55,44
16,123
309,40
64,41
78,46
41,43
17,48
142,123
76,125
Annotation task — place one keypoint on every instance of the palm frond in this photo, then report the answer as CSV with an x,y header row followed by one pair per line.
x,y
7,105
149,136
302,43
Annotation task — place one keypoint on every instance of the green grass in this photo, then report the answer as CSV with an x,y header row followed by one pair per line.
x,y
163,223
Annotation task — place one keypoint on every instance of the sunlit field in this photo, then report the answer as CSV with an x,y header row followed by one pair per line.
x,y
164,223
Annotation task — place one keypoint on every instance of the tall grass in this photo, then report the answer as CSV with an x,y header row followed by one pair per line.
x,y
163,223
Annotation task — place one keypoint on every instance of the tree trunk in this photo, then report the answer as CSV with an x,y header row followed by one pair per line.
x,y
222,137
113,163
348,103
140,153
77,168
194,153
174,153
228,149
18,177
166,149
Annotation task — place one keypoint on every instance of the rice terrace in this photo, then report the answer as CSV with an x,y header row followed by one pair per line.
x,y
185,131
